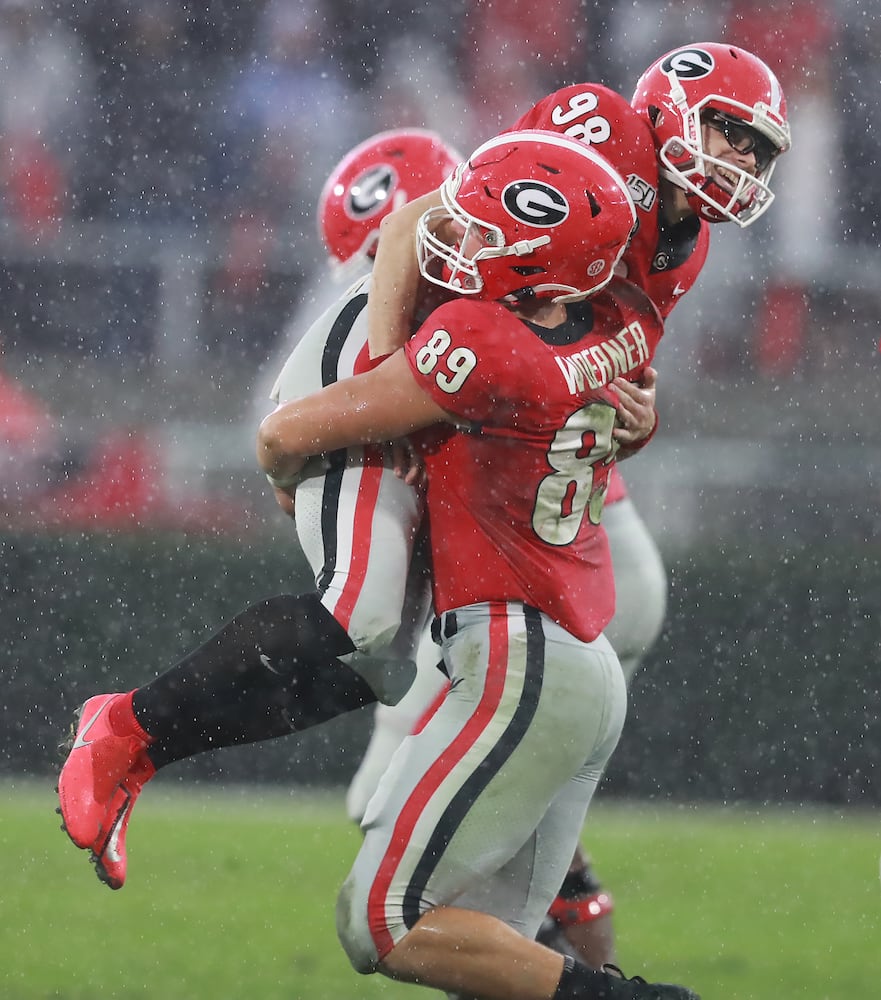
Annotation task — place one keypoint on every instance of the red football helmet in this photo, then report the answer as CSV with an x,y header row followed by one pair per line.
x,y
734,92
372,180
534,213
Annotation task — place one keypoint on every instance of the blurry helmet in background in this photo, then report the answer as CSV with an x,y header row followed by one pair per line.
x,y
536,214
372,180
736,93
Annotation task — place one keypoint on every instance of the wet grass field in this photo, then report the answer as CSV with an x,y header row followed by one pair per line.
x,y
231,895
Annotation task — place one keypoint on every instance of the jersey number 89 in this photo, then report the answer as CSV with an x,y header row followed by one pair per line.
x,y
457,366
570,491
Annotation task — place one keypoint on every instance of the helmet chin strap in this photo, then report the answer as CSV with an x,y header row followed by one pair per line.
x,y
523,247
519,249
677,91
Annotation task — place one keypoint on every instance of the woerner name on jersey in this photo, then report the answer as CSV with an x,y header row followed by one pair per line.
x,y
599,363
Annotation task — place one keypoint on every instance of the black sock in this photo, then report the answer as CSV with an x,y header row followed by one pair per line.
x,y
271,671
578,982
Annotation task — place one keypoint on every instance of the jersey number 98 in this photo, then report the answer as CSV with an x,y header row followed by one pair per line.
x,y
593,129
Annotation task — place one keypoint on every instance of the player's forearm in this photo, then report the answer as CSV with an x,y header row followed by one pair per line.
x,y
282,469
381,405
395,280
287,438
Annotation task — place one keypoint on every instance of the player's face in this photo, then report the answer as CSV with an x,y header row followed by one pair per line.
x,y
739,144
469,239
451,232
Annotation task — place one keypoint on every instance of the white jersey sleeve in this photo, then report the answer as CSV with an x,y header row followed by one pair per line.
x,y
329,348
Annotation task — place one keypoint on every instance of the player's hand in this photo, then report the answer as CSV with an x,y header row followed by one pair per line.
x,y
636,416
407,463
285,499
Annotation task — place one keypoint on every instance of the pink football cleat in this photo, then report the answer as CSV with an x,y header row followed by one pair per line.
x,y
97,762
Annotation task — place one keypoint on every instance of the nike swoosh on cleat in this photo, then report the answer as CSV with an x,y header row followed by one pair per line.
x,y
111,849
80,740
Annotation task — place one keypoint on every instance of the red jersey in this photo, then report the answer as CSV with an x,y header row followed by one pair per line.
x,y
663,260
516,492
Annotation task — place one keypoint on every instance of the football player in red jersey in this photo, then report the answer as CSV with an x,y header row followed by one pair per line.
x,y
469,833
371,181
697,144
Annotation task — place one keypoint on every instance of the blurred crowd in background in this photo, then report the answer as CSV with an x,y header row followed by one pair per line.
x,y
160,164
215,111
